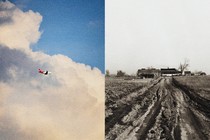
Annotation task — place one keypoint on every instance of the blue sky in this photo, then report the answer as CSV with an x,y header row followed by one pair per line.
x,y
71,27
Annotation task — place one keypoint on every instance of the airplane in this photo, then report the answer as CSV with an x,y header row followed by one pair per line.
x,y
44,72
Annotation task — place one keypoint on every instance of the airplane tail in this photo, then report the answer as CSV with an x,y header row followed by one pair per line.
x,y
47,73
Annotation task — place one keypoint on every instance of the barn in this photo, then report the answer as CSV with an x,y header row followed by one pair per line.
x,y
148,73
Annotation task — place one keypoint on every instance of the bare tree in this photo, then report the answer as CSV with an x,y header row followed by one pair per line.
x,y
184,66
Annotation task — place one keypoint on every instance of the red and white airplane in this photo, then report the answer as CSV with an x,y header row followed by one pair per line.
x,y
44,72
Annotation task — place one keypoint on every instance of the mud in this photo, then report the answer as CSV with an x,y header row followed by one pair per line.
x,y
165,109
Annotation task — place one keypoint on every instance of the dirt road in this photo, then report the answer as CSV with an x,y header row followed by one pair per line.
x,y
162,110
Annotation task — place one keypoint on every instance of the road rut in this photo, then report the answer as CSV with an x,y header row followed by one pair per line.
x,y
161,111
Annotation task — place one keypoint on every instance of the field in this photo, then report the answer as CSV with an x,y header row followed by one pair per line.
x,y
164,108
198,84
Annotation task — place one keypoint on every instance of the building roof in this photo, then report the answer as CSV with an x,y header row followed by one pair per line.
x,y
169,71
148,71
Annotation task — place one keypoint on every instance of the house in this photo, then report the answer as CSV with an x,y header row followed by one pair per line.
x,y
148,73
170,72
187,73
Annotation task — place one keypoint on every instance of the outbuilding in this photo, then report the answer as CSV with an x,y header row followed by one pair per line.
x,y
187,73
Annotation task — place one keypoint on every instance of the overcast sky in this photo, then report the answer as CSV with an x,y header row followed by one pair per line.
x,y
145,33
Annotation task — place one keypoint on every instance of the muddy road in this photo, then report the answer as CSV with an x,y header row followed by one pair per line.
x,y
162,110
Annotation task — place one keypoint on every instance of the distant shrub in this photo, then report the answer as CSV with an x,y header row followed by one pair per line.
x,y
120,73
107,73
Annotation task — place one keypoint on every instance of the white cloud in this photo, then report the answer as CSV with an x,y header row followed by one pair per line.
x,y
23,27
68,104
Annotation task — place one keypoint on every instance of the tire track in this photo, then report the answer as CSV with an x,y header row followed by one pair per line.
x,y
191,110
150,119
163,111
129,112
160,125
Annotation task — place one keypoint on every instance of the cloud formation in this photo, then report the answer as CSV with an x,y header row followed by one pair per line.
x,y
22,27
68,104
